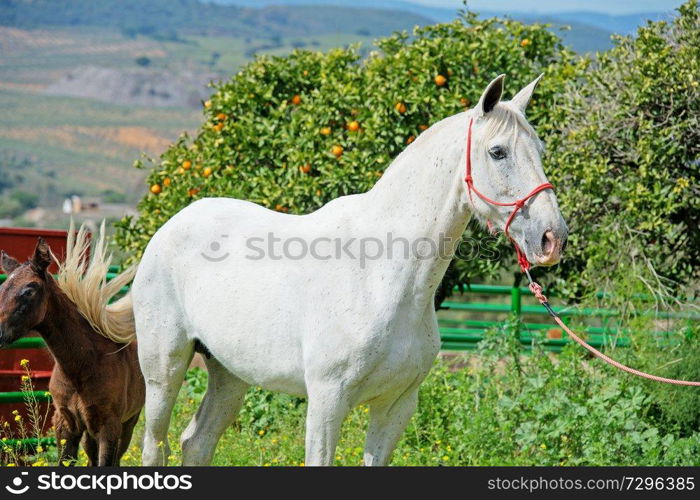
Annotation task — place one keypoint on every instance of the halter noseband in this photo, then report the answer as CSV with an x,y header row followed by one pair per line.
x,y
518,204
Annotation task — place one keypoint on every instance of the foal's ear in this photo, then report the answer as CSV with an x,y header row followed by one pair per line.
x,y
491,96
42,256
7,263
523,97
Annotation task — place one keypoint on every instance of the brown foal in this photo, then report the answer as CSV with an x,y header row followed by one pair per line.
x,y
97,387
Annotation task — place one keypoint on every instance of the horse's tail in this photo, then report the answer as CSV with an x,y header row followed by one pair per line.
x,y
85,284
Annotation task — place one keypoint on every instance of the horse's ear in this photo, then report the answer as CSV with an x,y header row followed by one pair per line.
x,y
7,263
42,256
523,97
492,95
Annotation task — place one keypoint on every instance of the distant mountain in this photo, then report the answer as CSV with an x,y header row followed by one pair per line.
x,y
167,18
273,19
590,31
622,24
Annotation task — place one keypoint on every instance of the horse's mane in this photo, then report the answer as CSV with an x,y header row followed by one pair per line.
x,y
504,118
85,284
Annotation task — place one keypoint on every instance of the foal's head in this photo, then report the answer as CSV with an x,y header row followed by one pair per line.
x,y
506,166
24,295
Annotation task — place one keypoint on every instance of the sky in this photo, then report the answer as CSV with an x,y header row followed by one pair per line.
x,y
606,6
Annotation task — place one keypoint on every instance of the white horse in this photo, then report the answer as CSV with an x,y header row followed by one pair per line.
x,y
314,305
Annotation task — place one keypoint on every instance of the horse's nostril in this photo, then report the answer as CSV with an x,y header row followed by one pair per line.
x,y
548,244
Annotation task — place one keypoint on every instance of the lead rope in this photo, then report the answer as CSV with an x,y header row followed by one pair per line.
x,y
535,288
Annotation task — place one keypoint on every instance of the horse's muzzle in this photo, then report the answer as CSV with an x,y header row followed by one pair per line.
x,y
552,247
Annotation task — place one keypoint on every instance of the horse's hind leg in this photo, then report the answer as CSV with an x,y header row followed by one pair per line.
x,y
164,361
219,408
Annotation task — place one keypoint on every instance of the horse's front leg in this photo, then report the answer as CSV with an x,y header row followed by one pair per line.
x,y
327,408
388,420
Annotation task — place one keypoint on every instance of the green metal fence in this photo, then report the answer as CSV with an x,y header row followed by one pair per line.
x,y
465,331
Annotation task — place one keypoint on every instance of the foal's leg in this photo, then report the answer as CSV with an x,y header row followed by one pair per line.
x,y
163,364
388,420
125,438
91,449
327,408
220,407
68,434
108,443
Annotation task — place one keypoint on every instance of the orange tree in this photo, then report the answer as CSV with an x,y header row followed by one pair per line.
x,y
293,132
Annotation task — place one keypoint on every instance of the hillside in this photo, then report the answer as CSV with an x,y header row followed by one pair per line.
x,y
169,19
589,31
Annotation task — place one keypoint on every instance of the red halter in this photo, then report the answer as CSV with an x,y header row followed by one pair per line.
x,y
518,204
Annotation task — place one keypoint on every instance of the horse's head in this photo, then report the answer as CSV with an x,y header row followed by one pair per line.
x,y
24,295
506,166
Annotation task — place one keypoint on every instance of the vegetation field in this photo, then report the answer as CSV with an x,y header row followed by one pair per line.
x,y
55,146
496,406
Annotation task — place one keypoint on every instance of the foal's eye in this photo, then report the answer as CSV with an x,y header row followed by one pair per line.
x,y
497,153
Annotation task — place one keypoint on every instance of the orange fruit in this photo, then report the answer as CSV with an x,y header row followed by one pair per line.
x,y
221,116
192,192
325,131
423,127
206,172
155,189
305,169
337,151
353,126
525,42
186,165
281,208
410,139
440,80
296,100
400,107
318,192
464,102
166,181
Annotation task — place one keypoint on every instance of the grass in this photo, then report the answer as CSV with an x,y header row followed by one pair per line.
x,y
494,407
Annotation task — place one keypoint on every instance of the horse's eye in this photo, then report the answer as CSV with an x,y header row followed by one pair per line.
x,y
28,293
497,153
